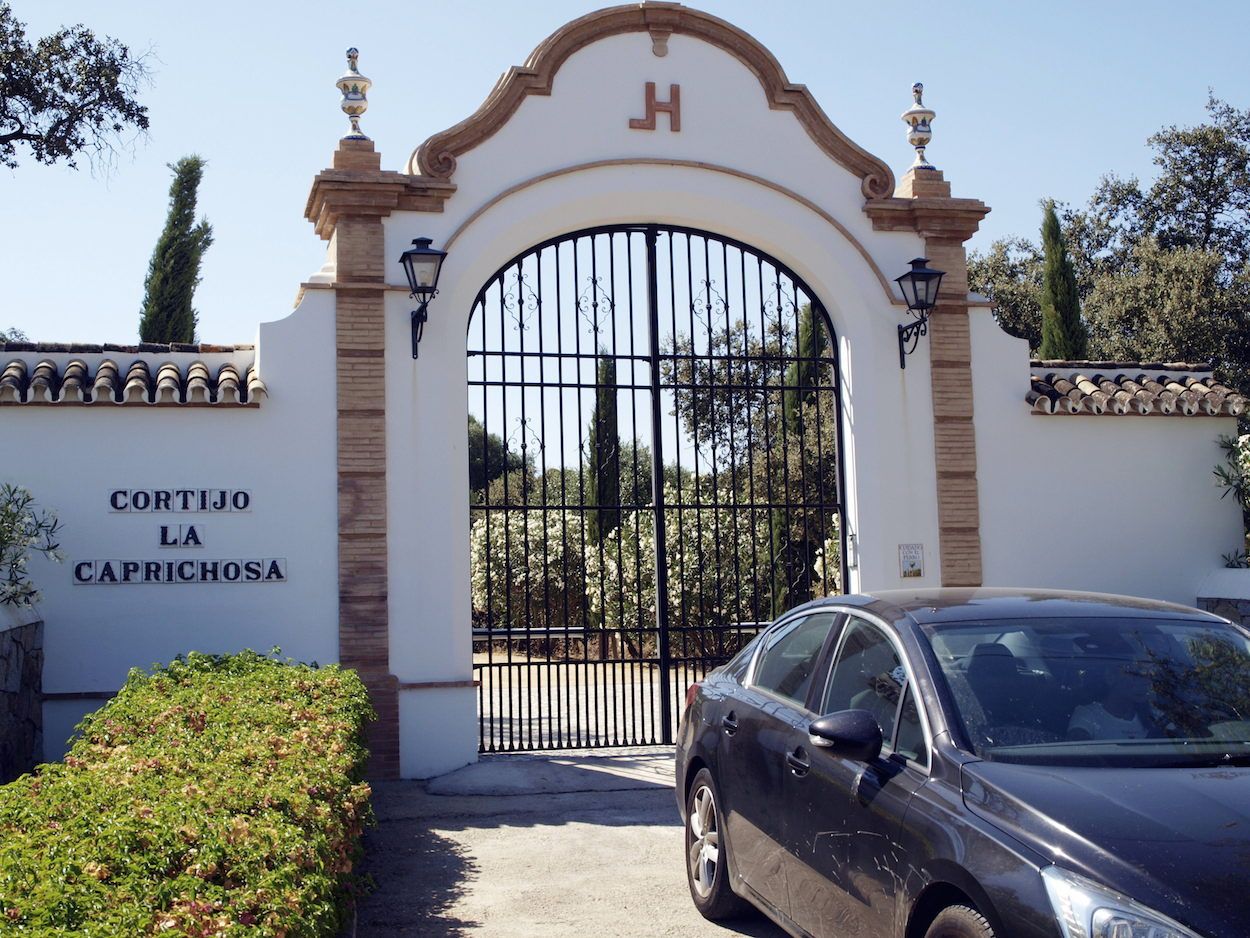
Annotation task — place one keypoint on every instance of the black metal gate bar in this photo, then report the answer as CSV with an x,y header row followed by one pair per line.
x,y
620,552
657,488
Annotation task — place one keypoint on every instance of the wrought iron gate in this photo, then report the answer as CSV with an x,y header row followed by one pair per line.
x,y
654,473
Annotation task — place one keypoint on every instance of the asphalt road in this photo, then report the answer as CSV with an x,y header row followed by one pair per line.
x,y
563,844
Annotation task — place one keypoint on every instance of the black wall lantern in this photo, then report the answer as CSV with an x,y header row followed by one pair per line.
x,y
422,264
920,290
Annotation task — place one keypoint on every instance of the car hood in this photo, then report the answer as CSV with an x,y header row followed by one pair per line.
x,y
1177,840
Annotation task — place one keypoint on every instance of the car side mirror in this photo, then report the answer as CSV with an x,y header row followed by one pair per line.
x,y
855,734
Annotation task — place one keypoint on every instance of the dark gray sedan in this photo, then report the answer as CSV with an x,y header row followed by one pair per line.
x,y
973,763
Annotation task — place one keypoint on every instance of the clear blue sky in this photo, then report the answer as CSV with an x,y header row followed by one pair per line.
x,y
1034,100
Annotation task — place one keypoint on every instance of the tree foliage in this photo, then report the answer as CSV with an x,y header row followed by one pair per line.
x,y
804,374
489,458
68,93
604,453
13,335
722,383
1201,199
1169,305
1063,333
1162,270
174,272
747,535
1010,274
1233,476
25,530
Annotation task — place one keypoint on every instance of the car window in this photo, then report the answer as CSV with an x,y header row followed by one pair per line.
x,y
910,741
737,666
1107,691
867,675
788,659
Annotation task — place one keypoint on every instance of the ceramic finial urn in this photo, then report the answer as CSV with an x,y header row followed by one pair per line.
x,y
918,119
355,89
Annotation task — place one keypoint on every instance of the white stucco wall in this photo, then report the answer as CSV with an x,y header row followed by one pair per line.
x,y
1123,504
71,457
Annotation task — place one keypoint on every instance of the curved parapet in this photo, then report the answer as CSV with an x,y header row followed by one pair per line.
x,y
436,157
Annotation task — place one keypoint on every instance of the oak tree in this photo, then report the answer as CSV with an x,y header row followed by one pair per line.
x,y
66,94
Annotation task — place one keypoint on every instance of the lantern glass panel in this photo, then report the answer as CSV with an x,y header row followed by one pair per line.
x,y
909,285
930,289
424,271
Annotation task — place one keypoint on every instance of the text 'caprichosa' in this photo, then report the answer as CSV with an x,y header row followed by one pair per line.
x,y
115,572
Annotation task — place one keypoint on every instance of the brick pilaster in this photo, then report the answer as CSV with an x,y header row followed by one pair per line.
x,y
347,203
923,204
360,347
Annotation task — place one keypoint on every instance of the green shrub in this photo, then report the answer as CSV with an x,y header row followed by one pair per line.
x,y
215,796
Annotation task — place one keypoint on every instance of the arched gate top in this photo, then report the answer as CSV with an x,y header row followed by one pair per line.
x,y
436,157
799,283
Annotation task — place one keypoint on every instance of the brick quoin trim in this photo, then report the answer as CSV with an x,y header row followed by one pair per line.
x,y
923,204
349,202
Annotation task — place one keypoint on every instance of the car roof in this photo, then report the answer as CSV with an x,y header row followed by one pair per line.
x,y
950,605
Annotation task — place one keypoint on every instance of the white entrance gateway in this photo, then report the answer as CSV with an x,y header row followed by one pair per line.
x,y
967,467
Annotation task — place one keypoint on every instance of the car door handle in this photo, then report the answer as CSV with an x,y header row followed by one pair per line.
x,y
798,761
730,723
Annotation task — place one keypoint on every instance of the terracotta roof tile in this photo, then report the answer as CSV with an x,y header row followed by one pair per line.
x,y
83,348
1131,389
143,382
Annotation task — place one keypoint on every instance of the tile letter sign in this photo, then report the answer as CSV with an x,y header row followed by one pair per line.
x,y
188,534
910,560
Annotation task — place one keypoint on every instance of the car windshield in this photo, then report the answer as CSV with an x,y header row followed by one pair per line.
x,y
1100,691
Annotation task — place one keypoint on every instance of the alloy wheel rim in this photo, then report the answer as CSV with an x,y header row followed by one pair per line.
x,y
704,852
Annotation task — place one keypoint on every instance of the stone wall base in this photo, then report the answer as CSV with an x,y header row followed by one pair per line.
x,y
1234,610
21,699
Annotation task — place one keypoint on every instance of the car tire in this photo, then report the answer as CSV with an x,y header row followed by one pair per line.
x,y
960,921
707,854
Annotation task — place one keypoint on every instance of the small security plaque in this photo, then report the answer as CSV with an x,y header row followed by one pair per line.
x,y
910,560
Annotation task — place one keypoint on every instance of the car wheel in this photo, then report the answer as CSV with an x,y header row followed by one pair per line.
x,y
960,921
707,855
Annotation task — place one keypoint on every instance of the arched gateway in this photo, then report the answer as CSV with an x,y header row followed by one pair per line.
x,y
657,156
675,276
654,476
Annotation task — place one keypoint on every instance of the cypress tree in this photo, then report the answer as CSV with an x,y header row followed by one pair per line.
x,y
1064,335
803,376
605,455
792,557
174,270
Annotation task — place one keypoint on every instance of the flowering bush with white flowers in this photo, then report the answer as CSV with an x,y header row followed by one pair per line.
x,y
723,567
527,568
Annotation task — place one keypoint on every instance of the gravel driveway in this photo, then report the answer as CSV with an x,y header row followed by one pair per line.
x,y
584,844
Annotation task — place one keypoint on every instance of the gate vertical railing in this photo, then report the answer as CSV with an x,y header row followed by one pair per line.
x,y
657,488
720,475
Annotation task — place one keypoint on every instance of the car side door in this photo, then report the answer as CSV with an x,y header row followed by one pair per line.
x,y
756,726
844,816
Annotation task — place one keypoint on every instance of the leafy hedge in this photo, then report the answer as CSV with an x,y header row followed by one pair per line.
x,y
215,796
